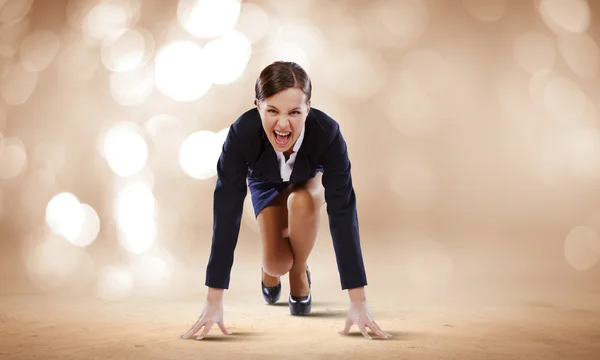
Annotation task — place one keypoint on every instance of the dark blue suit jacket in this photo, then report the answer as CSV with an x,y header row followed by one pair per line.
x,y
247,152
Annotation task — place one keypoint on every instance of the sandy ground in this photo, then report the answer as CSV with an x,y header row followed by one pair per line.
x,y
448,327
489,317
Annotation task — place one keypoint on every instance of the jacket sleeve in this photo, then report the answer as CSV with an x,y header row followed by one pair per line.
x,y
229,194
341,210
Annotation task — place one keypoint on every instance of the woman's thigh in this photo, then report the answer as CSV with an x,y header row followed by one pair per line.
x,y
315,187
273,220
272,224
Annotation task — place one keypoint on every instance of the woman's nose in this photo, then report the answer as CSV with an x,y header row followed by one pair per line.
x,y
283,121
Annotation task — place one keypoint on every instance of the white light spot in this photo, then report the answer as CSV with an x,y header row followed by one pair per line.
x,y
208,18
200,153
227,57
181,71
135,213
125,149
65,215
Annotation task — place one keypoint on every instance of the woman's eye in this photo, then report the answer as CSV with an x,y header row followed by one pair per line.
x,y
296,112
271,111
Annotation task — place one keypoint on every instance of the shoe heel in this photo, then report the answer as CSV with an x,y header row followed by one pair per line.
x,y
301,305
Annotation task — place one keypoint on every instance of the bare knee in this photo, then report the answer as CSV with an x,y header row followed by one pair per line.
x,y
301,203
277,266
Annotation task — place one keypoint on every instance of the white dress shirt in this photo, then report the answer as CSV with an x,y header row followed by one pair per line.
x,y
286,167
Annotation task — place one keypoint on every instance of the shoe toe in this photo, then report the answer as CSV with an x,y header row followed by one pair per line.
x,y
271,294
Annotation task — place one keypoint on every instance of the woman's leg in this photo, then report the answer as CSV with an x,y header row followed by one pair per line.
x,y
277,255
288,229
303,205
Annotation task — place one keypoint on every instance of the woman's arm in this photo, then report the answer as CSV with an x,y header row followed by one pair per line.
x,y
341,210
358,295
343,222
229,195
230,192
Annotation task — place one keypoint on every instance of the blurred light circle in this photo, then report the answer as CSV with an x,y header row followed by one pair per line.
x,y
227,57
582,248
200,153
208,18
181,71
125,149
65,215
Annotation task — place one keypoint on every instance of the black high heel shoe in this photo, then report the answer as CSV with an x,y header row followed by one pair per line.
x,y
301,305
271,294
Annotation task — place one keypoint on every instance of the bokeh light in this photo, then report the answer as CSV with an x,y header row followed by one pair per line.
x,y
135,213
208,18
14,11
407,20
107,20
38,50
253,22
128,51
65,215
132,87
565,17
485,11
582,248
200,152
114,283
181,71
582,55
13,158
228,57
125,149
53,263
18,84
461,119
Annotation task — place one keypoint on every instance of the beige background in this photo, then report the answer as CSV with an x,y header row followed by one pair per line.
x,y
472,128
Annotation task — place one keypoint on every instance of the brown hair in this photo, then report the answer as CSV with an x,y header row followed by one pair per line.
x,y
279,76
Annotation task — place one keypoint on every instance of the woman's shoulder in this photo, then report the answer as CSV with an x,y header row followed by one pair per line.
x,y
322,124
322,117
248,128
248,121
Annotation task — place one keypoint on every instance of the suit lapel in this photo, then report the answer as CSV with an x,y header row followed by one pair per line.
x,y
268,163
301,169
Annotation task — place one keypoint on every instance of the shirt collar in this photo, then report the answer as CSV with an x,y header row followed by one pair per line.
x,y
299,141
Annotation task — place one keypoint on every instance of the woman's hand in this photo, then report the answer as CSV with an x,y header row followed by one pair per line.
x,y
359,315
211,314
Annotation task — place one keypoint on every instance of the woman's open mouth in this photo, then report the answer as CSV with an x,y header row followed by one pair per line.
x,y
282,138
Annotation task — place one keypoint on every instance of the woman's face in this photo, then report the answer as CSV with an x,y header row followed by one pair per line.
x,y
283,116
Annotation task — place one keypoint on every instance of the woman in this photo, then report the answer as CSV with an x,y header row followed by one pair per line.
x,y
294,159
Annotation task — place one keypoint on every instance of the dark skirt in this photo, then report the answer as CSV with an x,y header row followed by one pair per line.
x,y
263,193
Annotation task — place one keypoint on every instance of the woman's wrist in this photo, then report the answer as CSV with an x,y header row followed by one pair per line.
x,y
357,295
214,295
